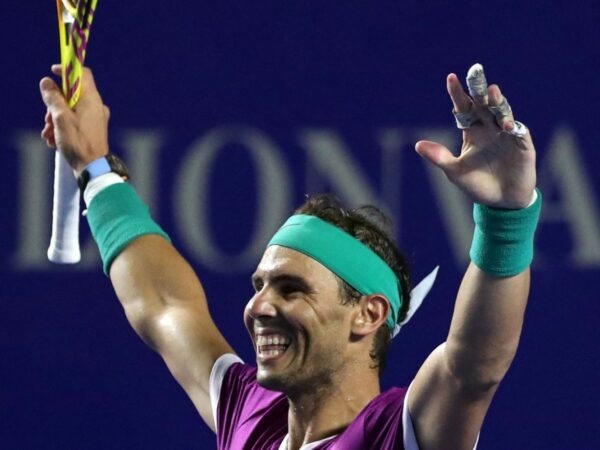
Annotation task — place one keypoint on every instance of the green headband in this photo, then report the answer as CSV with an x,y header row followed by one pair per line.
x,y
344,255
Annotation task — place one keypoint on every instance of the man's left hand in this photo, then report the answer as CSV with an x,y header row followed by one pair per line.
x,y
495,167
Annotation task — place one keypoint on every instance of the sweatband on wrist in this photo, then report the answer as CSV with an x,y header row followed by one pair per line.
x,y
344,255
503,239
117,217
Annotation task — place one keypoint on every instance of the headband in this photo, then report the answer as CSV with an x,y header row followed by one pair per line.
x,y
344,255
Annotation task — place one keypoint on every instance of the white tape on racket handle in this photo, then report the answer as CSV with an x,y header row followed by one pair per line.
x,y
64,242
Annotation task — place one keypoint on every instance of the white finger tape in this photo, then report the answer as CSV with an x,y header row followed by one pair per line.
x,y
520,130
463,120
476,81
502,110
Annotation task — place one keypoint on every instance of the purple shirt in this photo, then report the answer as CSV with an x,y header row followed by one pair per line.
x,y
250,417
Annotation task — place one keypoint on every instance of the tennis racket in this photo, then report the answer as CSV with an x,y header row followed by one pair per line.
x,y
74,22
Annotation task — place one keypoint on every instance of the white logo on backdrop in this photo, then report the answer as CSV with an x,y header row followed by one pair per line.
x,y
329,161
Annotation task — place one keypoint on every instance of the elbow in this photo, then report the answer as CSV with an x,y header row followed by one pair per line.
x,y
143,318
478,371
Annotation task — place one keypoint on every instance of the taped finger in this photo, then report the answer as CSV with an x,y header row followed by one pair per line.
x,y
464,120
502,110
477,84
519,130
460,100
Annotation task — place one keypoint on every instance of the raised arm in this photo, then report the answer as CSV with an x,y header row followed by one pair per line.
x,y
160,293
452,391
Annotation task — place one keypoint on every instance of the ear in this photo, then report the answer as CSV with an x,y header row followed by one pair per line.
x,y
371,313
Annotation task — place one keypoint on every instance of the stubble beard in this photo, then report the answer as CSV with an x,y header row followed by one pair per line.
x,y
315,376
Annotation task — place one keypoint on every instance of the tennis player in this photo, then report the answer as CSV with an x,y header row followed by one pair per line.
x,y
331,290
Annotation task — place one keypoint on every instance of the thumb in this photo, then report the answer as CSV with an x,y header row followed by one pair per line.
x,y
63,118
436,154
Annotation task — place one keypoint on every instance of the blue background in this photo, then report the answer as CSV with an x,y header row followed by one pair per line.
x,y
73,375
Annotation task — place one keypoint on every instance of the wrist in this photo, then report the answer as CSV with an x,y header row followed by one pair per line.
x,y
99,183
503,239
108,163
117,217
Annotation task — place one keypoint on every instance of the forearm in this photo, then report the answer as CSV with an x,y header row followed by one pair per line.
x,y
463,374
486,326
152,280
488,316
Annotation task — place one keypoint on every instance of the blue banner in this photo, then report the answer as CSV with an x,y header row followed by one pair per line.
x,y
228,115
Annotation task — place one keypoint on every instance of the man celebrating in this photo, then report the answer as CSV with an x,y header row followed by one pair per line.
x,y
330,291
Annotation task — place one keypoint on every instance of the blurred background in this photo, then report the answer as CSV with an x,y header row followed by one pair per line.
x,y
229,113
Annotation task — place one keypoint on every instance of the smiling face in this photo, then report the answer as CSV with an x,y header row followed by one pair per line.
x,y
299,328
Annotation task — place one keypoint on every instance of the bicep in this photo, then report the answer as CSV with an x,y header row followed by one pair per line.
x,y
446,413
166,305
455,386
190,345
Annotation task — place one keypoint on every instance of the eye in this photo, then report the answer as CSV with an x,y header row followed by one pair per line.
x,y
288,289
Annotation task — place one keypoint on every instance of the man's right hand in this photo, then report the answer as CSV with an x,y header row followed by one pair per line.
x,y
81,134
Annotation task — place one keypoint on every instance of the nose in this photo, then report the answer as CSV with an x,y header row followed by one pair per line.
x,y
261,305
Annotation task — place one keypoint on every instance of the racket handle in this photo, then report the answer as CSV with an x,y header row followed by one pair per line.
x,y
64,242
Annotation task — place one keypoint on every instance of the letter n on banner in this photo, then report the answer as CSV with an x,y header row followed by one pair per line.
x,y
331,160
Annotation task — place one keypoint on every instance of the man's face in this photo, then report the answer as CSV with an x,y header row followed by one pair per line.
x,y
299,328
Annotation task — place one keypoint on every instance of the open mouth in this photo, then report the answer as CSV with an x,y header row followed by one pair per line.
x,y
271,345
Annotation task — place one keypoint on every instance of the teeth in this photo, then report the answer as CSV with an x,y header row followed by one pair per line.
x,y
271,339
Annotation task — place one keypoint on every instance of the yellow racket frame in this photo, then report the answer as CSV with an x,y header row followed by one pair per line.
x,y
74,22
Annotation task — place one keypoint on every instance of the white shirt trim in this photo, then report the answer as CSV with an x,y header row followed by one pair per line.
x,y
217,374
309,446
226,360
410,440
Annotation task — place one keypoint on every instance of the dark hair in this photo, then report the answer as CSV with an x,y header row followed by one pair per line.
x,y
370,226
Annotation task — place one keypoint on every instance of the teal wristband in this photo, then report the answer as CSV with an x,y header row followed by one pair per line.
x,y
117,217
503,239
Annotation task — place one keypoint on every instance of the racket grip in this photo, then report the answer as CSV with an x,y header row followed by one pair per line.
x,y
64,241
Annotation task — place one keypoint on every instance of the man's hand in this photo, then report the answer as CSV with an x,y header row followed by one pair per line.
x,y
494,168
80,134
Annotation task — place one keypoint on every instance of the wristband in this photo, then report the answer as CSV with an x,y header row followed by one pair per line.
x,y
117,217
503,239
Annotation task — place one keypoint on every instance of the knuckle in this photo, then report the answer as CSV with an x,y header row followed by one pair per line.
x,y
60,118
